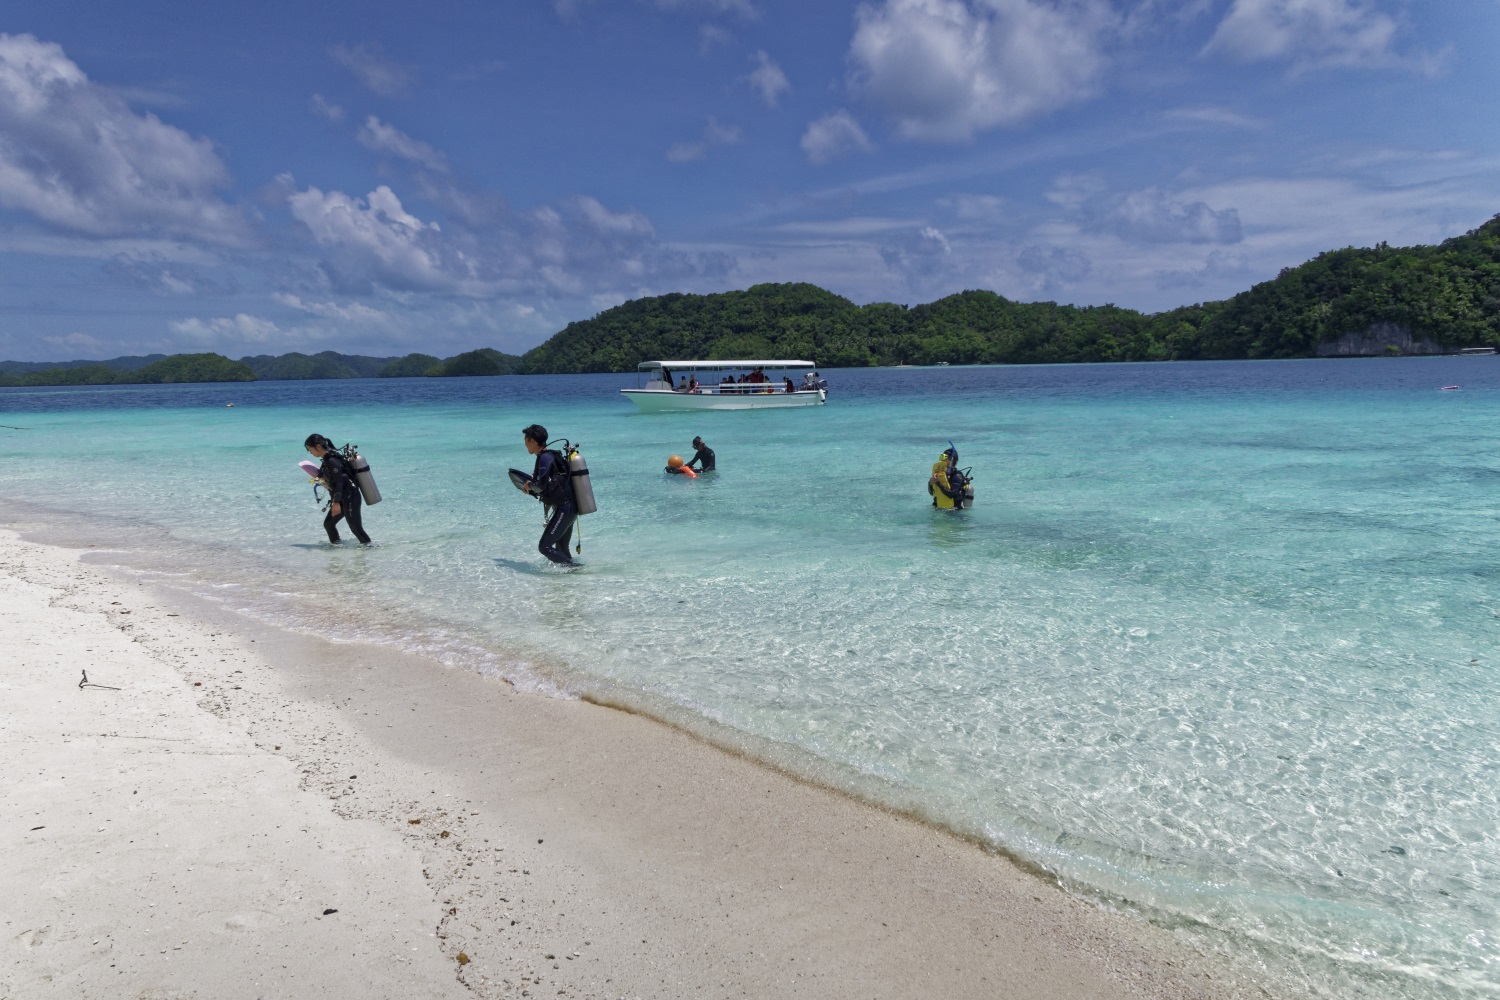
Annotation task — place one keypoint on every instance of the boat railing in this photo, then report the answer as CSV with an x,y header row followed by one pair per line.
x,y
738,389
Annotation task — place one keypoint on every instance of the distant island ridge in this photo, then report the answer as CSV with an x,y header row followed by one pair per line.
x,y
1354,302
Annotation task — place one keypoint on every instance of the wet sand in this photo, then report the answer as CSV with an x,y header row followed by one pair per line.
x,y
183,836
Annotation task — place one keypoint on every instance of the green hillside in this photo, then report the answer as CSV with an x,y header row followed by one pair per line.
x,y
1379,300
175,368
1448,293
766,321
191,368
411,366
125,364
217,368
1390,300
326,364
485,361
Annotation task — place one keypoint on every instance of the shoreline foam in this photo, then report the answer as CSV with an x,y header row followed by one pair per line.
x,y
670,867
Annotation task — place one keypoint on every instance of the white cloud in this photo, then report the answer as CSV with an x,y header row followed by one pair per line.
x,y
1150,16
711,35
75,155
353,312
77,341
714,134
1150,215
833,135
156,97
919,256
945,69
1224,117
983,208
373,68
1218,267
1153,216
1072,191
376,238
241,328
768,79
380,137
325,109
1312,34
482,250
823,230
157,274
1057,265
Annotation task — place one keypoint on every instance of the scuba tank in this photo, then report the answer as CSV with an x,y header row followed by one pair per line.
x,y
578,472
362,477
966,495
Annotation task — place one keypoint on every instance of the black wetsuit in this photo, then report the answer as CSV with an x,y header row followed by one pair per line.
x,y
344,491
551,482
704,455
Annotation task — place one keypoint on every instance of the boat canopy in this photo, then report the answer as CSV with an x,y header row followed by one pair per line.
x,y
716,366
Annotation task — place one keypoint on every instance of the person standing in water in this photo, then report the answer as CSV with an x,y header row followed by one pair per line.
x,y
343,491
947,483
702,454
553,485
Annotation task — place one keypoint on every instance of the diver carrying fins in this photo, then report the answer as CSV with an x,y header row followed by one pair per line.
x,y
951,488
560,480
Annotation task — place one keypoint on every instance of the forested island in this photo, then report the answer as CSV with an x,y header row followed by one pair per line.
x,y
153,370
1381,300
157,368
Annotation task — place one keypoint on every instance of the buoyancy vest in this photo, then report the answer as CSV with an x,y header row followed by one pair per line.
x,y
940,497
556,486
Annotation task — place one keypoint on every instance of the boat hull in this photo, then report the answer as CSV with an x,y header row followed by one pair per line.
x,y
655,401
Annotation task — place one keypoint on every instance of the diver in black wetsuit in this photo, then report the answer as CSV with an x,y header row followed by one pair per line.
x,y
704,454
552,484
343,491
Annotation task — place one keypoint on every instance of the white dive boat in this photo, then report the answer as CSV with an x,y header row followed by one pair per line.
x,y
727,385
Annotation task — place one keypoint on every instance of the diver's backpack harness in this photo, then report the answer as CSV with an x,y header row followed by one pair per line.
x,y
570,471
555,489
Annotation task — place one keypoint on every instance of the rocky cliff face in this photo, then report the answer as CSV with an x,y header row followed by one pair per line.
x,y
1380,340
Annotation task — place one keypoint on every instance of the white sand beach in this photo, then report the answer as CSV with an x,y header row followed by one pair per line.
x,y
229,810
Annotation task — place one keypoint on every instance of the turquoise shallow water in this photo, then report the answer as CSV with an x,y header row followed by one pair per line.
x,y
1215,645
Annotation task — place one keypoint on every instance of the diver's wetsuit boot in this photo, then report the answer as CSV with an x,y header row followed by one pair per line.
x,y
356,524
559,533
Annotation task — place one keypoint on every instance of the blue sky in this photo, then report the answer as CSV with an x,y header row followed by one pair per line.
x,y
383,178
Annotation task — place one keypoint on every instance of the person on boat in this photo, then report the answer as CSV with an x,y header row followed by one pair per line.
x,y
947,483
666,376
703,456
693,384
790,386
343,492
552,484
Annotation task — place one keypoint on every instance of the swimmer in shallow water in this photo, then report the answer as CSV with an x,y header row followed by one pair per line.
x,y
703,456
